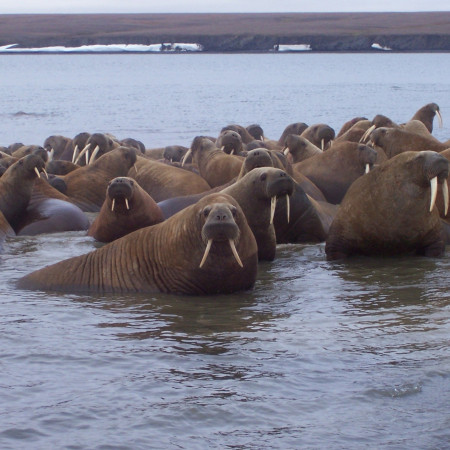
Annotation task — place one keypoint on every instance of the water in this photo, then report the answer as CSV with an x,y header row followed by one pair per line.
x,y
318,355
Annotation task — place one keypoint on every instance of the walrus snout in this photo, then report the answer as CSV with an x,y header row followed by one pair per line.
x,y
220,224
120,187
281,185
220,227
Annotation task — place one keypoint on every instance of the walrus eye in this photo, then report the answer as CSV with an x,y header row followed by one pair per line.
x,y
233,211
263,177
206,211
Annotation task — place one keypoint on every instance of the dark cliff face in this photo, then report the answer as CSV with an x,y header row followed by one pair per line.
x,y
262,43
324,32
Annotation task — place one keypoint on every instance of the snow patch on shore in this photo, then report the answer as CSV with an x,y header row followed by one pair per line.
x,y
377,46
110,48
292,47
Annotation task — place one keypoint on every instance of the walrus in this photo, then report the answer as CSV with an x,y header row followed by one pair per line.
x,y
215,166
299,148
426,115
395,140
16,187
86,186
319,134
56,144
50,211
162,181
242,131
230,142
334,170
350,124
97,145
257,193
391,210
205,249
175,153
127,207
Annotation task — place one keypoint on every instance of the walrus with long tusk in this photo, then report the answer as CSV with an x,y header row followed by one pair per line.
x,y
207,248
391,210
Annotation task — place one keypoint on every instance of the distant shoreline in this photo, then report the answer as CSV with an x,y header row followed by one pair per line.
x,y
232,33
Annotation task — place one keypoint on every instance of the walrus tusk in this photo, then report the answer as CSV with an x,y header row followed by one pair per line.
x,y
127,204
112,204
445,195
366,134
288,207
261,138
367,168
235,253
286,150
135,168
45,173
86,156
205,255
75,153
322,144
186,155
94,154
222,148
273,203
85,149
51,154
232,151
439,118
433,184
37,172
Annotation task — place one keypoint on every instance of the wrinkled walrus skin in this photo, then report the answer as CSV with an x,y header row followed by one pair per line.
x,y
165,257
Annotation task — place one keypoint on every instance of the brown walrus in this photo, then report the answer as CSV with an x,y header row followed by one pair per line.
x,y
426,115
319,134
336,169
215,166
16,187
86,186
127,207
207,248
162,181
394,141
391,210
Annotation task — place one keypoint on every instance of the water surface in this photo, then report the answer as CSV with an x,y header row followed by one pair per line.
x,y
318,355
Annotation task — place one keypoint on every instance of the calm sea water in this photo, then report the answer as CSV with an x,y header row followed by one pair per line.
x,y
318,355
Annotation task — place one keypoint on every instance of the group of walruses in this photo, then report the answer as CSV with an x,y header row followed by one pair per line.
x,y
197,220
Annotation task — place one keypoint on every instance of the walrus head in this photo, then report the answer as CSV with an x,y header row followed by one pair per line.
x,y
220,227
29,166
230,142
120,191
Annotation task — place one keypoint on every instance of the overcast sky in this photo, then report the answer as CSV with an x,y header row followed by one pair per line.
x,y
160,6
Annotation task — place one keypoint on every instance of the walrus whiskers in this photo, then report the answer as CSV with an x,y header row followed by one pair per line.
x,y
433,184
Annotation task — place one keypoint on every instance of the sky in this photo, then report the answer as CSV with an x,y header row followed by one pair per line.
x,y
196,6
